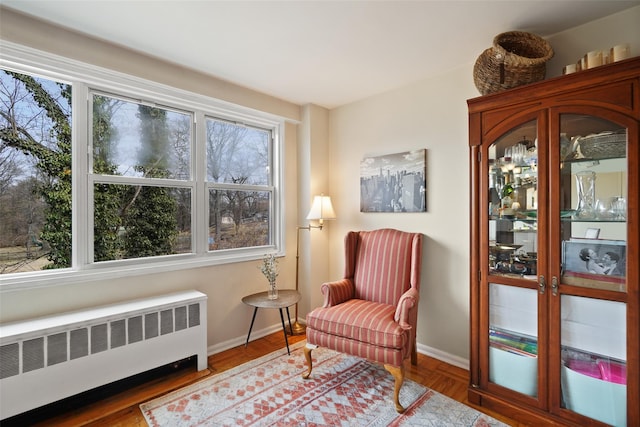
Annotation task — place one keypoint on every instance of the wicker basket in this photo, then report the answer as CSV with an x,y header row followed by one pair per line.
x,y
606,145
516,58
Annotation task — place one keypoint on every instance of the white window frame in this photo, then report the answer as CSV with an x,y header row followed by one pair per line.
x,y
86,79
94,178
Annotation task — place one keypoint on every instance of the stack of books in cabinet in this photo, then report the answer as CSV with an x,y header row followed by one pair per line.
x,y
513,359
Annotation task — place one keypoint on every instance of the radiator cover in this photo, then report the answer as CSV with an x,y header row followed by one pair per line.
x,y
47,359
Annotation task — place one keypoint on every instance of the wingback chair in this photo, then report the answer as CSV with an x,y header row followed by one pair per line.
x,y
372,312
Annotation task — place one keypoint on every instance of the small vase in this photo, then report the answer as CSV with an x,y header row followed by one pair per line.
x,y
586,186
272,293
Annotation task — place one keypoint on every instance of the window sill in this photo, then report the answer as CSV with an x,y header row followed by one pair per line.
x,y
102,272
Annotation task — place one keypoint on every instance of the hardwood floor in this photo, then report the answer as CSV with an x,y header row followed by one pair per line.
x,y
118,406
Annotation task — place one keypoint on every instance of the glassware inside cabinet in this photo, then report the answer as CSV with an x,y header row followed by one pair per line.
x,y
593,196
594,369
513,203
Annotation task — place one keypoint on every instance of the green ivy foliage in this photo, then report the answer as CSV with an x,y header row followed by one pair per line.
x,y
55,164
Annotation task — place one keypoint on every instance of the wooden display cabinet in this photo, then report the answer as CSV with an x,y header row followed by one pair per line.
x,y
555,324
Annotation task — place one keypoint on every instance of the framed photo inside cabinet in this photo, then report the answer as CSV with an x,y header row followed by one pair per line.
x,y
594,263
394,182
592,233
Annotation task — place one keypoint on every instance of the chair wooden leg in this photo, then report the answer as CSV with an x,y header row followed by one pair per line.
x,y
398,374
414,353
307,355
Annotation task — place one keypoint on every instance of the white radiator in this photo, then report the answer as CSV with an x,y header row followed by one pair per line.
x,y
47,359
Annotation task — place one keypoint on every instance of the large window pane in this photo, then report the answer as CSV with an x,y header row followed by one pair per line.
x,y
141,221
35,173
239,219
137,140
237,154
239,160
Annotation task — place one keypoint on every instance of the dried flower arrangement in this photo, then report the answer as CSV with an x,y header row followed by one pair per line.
x,y
269,267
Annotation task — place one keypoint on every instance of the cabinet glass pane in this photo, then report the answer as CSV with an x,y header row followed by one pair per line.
x,y
513,203
513,338
593,202
593,371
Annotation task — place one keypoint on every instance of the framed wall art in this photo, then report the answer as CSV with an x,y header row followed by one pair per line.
x,y
394,182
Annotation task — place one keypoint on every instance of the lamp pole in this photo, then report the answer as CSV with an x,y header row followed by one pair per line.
x,y
321,209
297,328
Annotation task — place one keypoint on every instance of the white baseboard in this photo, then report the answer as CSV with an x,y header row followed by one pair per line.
x,y
449,358
235,342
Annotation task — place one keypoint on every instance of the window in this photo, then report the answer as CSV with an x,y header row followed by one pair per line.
x,y
137,175
141,175
239,184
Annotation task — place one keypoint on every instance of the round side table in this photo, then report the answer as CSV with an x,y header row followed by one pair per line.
x,y
286,298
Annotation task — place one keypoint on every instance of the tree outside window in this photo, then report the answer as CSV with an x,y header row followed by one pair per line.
x,y
35,169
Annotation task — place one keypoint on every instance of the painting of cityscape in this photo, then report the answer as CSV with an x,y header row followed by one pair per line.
x,y
394,182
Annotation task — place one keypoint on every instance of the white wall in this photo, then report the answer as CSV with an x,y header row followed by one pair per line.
x,y
313,164
602,34
432,114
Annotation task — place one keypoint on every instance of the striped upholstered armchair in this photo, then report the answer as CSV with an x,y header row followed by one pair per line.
x,y
372,312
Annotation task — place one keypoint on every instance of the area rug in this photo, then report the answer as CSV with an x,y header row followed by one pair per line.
x,y
342,391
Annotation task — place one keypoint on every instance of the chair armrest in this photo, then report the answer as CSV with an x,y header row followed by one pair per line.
x,y
337,292
407,301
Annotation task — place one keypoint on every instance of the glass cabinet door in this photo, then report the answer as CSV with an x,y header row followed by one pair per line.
x,y
512,255
593,234
593,202
513,203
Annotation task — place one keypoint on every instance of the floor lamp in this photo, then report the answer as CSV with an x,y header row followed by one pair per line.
x,y
321,209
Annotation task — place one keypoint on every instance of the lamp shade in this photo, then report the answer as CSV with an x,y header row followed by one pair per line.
x,y
321,208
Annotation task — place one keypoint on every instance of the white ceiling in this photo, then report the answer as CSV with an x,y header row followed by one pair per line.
x,y
329,53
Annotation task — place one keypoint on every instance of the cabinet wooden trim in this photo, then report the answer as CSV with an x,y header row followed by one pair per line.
x,y
557,86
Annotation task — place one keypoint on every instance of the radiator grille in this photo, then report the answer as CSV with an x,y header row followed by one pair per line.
x,y
134,326
99,338
29,355
194,315
9,360
56,349
32,354
150,325
79,343
181,318
166,322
